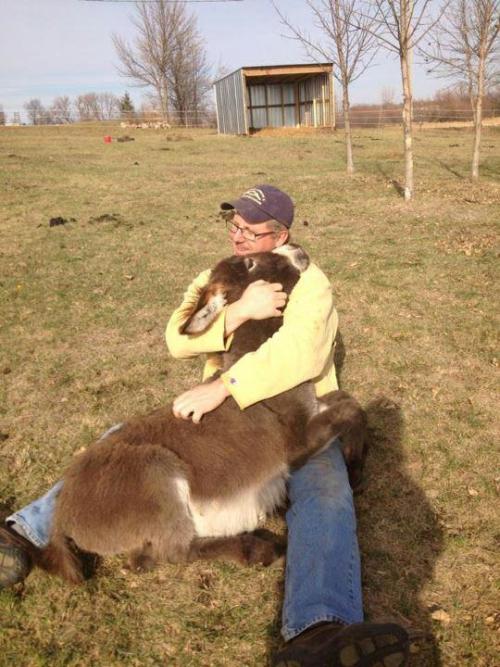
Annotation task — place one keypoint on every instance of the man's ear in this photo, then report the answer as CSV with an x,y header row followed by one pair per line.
x,y
206,311
282,238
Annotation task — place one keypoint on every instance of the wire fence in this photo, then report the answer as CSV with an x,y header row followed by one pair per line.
x,y
380,117
184,118
369,117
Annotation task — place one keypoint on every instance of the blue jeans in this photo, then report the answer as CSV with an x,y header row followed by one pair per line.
x,y
323,580
323,574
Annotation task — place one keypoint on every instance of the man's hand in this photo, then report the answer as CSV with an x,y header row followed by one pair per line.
x,y
199,400
259,301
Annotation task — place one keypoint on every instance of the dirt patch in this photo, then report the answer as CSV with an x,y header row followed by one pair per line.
x,y
179,137
289,131
107,217
58,221
469,244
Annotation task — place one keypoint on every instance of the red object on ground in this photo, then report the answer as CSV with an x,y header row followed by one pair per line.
x,y
107,139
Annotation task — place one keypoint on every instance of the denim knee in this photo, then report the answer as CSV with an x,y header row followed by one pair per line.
x,y
323,479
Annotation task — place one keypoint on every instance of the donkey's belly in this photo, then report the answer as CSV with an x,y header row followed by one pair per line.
x,y
222,517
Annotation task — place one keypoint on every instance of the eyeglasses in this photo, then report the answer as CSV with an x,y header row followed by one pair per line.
x,y
247,234
233,228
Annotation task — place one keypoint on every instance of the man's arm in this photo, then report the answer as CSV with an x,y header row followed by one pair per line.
x,y
299,351
259,301
214,339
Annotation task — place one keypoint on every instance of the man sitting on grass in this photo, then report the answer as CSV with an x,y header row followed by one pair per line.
x,y
322,611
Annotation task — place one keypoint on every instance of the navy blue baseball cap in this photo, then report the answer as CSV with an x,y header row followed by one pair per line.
x,y
262,203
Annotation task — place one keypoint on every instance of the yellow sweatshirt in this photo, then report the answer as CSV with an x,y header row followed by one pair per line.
x,y
302,349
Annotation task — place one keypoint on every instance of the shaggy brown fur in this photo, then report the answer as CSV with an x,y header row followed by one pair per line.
x,y
140,489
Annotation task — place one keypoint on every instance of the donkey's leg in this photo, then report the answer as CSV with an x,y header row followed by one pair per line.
x,y
167,541
246,549
342,417
142,560
163,530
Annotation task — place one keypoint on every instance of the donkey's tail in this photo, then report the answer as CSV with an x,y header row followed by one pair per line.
x,y
61,558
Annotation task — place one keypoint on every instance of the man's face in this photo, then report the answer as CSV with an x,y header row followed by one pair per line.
x,y
242,246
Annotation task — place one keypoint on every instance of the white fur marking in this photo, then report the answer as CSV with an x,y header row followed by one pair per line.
x,y
206,315
223,517
295,254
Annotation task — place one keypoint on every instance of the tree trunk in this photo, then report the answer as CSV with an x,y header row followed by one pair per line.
x,y
347,127
163,97
478,118
406,72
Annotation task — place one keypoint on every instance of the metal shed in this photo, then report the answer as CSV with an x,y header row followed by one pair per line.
x,y
252,98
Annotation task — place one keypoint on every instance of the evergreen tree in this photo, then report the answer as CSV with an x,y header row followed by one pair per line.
x,y
127,106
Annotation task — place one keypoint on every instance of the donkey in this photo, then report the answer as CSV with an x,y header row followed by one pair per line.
x,y
165,489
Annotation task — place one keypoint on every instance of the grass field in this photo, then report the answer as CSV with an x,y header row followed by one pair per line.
x,y
83,312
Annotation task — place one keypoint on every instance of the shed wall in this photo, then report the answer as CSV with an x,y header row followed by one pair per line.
x,y
290,102
231,105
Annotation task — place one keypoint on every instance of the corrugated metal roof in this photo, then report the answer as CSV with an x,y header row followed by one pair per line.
x,y
271,67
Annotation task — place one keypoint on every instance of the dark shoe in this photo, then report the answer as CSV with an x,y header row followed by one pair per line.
x,y
358,645
16,557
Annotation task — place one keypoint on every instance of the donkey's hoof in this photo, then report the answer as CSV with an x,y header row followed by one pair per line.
x,y
141,562
258,551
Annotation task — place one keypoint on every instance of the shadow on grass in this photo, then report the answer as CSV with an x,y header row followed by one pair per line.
x,y
400,538
489,171
399,533
395,184
443,164
339,355
8,504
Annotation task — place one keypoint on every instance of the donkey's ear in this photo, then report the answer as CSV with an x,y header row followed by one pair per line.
x,y
250,263
204,314
295,254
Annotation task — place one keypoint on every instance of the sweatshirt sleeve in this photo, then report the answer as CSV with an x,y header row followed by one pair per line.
x,y
183,346
297,352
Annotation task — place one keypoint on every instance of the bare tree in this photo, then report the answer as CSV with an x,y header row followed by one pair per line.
x,y
97,106
2,116
388,96
399,27
87,107
166,51
387,102
189,74
60,110
36,112
108,105
349,43
464,46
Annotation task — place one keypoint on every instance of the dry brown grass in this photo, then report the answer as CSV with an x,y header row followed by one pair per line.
x,y
83,311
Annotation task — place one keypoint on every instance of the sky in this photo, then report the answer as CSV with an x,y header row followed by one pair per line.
x,y
64,47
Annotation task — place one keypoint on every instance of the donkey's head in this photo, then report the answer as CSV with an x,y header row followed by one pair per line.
x,y
231,277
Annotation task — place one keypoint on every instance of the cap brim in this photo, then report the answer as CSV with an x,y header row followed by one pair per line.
x,y
247,209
